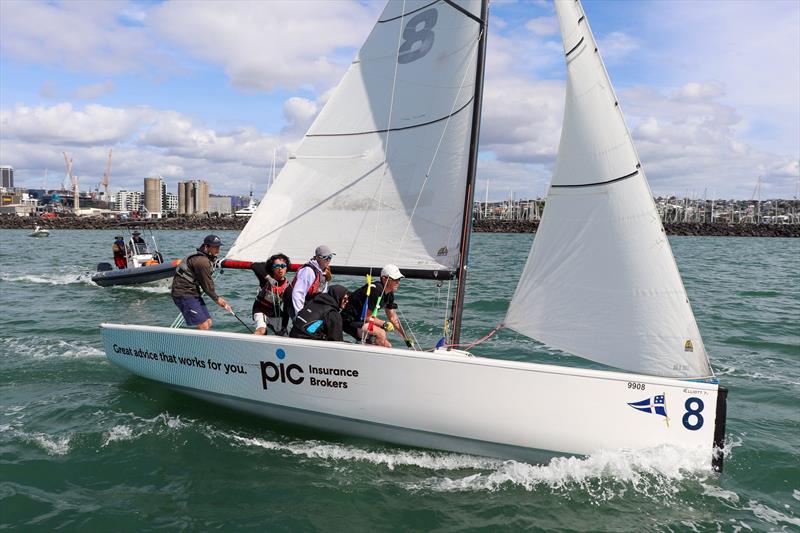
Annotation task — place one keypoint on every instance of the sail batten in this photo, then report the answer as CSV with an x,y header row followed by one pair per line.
x,y
377,174
600,281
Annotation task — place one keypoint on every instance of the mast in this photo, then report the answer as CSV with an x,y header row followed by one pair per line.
x,y
472,169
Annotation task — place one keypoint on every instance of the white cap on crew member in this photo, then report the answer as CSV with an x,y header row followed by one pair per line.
x,y
391,272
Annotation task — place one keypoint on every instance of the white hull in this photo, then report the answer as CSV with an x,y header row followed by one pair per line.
x,y
441,400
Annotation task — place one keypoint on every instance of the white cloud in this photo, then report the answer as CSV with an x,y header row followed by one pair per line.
x,y
145,141
62,124
616,46
264,45
78,36
95,90
543,26
299,113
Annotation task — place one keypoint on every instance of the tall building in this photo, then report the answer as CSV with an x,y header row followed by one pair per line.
x,y
7,174
172,202
220,204
192,197
128,201
154,196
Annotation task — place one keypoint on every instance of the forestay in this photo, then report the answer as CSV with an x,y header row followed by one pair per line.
x,y
601,281
402,111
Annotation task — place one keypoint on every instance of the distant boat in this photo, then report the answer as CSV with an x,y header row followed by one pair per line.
x,y
145,265
39,232
247,211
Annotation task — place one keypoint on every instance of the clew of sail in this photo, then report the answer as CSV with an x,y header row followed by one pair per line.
x,y
600,281
379,176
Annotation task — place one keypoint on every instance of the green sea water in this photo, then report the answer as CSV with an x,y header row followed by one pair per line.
x,y
86,446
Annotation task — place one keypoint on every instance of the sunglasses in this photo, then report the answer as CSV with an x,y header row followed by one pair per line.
x,y
326,257
279,265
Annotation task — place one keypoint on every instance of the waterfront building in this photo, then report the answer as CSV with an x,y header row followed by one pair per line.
x,y
128,201
220,204
155,196
6,176
171,203
192,197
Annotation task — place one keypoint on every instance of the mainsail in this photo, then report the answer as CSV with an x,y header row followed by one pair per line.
x,y
380,175
601,281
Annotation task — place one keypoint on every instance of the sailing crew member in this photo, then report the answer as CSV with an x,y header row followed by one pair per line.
x,y
120,257
268,306
311,279
320,319
192,276
358,320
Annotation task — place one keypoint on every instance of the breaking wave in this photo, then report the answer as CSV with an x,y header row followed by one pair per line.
x,y
389,458
53,445
138,427
658,472
82,278
48,348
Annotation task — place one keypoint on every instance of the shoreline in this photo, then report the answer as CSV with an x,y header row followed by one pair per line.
x,y
480,226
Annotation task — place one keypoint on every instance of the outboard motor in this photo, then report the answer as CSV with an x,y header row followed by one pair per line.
x,y
104,267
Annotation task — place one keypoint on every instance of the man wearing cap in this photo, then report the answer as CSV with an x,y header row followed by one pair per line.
x,y
311,279
120,255
193,275
357,316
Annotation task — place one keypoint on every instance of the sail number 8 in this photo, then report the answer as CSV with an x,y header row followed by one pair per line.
x,y
418,36
692,419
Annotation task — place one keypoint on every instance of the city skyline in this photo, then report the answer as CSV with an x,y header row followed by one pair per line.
x,y
177,94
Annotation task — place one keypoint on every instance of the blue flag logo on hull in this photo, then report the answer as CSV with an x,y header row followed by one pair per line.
x,y
657,405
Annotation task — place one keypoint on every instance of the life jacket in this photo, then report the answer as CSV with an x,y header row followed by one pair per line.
x,y
185,272
313,289
272,293
118,248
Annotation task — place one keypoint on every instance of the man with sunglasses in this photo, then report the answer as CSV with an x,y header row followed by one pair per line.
x,y
268,309
310,280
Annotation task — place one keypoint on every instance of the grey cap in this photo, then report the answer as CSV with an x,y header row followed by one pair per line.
x,y
323,250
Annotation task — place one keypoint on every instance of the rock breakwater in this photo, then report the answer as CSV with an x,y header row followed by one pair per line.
x,y
679,228
483,226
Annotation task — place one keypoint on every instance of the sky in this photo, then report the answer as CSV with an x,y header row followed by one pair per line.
x,y
211,90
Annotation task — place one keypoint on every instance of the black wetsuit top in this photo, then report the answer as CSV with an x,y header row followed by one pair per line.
x,y
351,315
321,315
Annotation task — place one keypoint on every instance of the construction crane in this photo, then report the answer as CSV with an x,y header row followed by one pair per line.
x,y
74,180
107,175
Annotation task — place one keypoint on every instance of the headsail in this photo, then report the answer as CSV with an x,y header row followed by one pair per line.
x,y
601,281
392,142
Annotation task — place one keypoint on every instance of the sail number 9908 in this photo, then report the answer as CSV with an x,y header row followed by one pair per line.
x,y
635,386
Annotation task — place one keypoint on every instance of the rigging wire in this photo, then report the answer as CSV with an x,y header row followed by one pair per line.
x,y
439,143
383,174
483,339
407,327
430,168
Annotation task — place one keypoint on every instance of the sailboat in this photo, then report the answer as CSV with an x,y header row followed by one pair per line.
x,y
386,174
